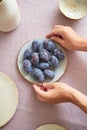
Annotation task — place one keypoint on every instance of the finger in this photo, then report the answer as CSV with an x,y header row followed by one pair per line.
x,y
58,26
55,32
48,85
58,40
40,98
42,88
44,100
39,91
50,34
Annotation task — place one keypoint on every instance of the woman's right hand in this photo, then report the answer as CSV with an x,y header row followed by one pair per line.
x,y
53,93
57,92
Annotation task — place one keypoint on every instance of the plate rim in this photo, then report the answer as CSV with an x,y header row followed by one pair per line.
x,y
17,97
51,125
68,16
37,83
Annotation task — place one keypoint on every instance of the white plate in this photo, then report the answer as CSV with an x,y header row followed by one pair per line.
x,y
59,71
8,99
74,9
51,127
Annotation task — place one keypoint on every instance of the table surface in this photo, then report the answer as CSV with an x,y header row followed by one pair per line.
x,y
38,17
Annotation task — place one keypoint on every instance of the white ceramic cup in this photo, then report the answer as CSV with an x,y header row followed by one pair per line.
x,y
73,9
9,15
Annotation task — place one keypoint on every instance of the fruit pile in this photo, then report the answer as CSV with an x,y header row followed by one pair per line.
x,y
41,59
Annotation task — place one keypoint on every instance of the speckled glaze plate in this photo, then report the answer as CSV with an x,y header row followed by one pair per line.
x,y
74,9
8,99
59,71
51,127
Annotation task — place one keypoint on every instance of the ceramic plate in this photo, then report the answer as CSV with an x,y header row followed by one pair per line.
x,y
51,127
74,9
59,71
8,99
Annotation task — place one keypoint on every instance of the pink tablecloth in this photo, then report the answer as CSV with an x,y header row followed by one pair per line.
x,y
38,17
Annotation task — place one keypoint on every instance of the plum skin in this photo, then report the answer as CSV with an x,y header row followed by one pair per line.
x,y
49,73
38,74
27,66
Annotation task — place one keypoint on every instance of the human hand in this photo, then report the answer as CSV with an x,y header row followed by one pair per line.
x,y
68,38
53,93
